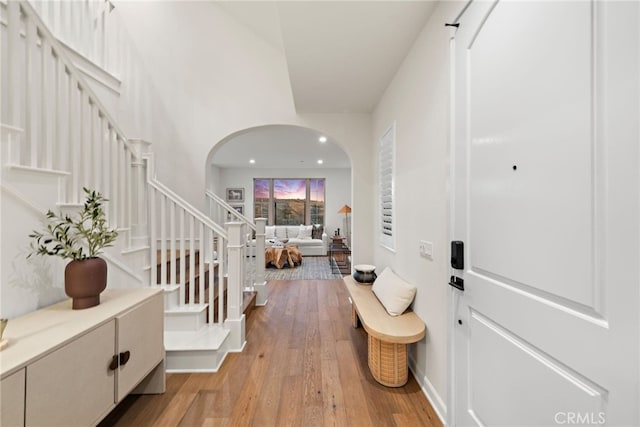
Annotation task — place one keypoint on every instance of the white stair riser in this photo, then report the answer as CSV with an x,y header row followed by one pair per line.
x,y
195,360
137,260
186,321
171,299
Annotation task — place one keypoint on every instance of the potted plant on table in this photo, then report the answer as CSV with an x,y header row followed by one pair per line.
x,y
80,239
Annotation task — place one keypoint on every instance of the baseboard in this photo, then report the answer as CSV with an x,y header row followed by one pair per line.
x,y
429,391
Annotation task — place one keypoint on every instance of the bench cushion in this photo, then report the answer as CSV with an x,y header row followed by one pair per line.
x,y
395,294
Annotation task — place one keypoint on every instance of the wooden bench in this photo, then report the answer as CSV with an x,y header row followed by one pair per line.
x,y
388,335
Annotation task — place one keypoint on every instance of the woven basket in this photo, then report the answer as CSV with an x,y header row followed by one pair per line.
x,y
388,362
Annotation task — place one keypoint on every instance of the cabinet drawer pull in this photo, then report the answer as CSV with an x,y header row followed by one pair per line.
x,y
124,357
114,363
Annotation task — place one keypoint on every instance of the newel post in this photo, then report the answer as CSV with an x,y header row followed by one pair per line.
x,y
235,284
139,225
260,284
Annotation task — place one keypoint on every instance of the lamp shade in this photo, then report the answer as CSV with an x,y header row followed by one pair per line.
x,y
345,209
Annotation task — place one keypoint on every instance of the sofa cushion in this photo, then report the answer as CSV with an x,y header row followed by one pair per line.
x,y
270,232
281,232
316,232
304,232
304,242
292,231
394,293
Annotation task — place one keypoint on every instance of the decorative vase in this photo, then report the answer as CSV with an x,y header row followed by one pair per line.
x,y
84,280
364,273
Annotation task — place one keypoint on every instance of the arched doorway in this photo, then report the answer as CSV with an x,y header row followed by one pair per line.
x,y
289,174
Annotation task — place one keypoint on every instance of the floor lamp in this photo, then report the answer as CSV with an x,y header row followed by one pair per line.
x,y
346,210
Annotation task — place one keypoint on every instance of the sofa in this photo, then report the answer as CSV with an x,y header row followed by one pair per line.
x,y
310,240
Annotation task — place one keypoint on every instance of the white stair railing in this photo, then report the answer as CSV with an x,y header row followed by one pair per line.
x,y
221,211
86,27
58,125
178,229
65,127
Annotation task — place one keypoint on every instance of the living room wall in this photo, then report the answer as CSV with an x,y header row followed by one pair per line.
x,y
418,101
337,187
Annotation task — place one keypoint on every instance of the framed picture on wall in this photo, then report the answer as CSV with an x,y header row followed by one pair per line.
x,y
235,195
239,209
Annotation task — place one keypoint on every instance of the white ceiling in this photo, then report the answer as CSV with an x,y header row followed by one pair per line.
x,y
280,147
341,56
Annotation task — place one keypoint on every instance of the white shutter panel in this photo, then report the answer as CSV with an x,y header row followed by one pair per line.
x,y
385,170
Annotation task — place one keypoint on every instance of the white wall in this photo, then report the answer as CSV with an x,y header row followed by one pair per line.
x,y
337,187
215,78
418,101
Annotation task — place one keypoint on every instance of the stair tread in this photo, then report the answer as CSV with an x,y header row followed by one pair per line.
x,y
248,300
38,170
134,249
187,308
210,337
10,128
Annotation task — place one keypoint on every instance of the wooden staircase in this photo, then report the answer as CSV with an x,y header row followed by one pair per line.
x,y
192,342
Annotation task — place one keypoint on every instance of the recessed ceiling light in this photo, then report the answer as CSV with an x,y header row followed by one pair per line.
x,y
252,161
320,161
322,139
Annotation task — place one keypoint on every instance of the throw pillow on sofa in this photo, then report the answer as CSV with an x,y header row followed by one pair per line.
x,y
395,294
316,232
304,232
270,232
281,233
292,231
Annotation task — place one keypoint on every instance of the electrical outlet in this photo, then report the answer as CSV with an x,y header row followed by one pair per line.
x,y
426,249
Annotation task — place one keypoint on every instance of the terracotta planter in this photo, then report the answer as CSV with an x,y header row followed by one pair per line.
x,y
84,280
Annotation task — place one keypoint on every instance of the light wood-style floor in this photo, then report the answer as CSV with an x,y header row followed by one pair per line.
x,y
304,365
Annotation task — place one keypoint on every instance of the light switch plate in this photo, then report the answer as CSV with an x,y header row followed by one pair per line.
x,y
426,249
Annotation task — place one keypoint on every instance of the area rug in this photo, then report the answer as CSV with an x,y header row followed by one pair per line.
x,y
312,268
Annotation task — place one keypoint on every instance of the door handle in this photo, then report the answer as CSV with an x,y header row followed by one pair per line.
x,y
114,363
119,360
457,282
124,357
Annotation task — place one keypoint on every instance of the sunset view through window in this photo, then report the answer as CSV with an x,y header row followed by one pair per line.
x,y
289,201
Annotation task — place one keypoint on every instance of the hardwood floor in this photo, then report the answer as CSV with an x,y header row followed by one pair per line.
x,y
304,365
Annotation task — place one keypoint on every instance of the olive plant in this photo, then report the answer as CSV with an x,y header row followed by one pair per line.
x,y
77,238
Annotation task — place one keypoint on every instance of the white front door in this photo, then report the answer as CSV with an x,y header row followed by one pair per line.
x,y
546,200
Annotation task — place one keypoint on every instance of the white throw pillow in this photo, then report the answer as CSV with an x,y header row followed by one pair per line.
x,y
281,233
292,231
304,232
394,293
270,232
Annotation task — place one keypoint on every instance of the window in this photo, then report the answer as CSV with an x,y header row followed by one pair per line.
x,y
316,201
261,197
289,201
385,178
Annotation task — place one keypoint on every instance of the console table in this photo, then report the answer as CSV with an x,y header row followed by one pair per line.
x,y
65,367
340,258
